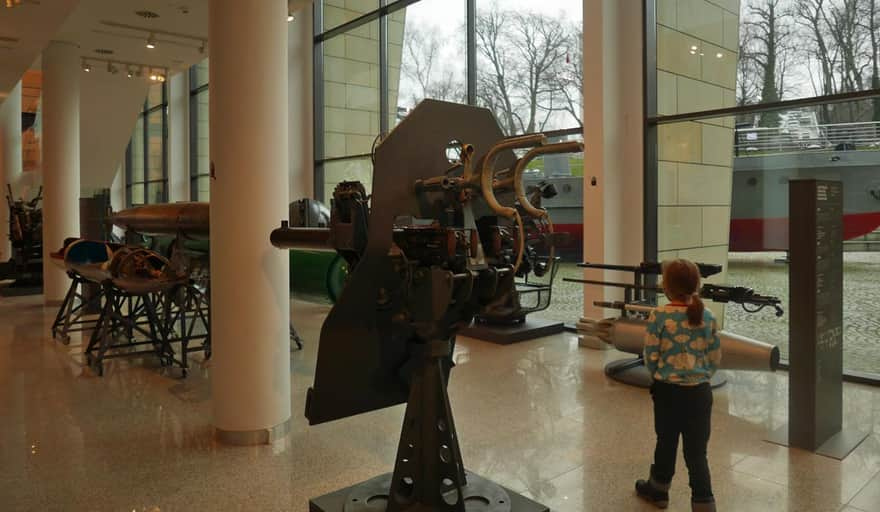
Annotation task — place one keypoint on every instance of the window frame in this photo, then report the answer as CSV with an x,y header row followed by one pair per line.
x,y
651,146
146,182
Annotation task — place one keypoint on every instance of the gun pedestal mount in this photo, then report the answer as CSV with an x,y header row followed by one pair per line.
x,y
627,332
429,474
421,268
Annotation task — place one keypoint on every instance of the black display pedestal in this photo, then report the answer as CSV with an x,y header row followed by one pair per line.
x,y
365,497
815,391
530,329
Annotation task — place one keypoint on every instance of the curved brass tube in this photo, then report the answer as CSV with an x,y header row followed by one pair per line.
x,y
487,174
562,147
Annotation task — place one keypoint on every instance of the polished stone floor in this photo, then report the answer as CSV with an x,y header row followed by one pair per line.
x,y
539,417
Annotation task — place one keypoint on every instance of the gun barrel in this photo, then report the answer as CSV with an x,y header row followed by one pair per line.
x,y
737,352
301,238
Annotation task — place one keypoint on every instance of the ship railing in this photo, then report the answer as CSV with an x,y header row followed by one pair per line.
x,y
758,141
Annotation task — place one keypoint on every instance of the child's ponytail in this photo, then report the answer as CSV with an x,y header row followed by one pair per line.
x,y
695,311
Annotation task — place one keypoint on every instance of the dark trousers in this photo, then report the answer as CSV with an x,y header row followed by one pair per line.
x,y
684,411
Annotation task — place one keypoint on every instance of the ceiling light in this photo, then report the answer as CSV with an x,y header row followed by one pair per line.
x,y
290,16
86,66
151,41
130,73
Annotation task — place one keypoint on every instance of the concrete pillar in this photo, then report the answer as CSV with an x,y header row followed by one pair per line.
x,y
614,140
250,300
10,161
61,181
300,73
178,138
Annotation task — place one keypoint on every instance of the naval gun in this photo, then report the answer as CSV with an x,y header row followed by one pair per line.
x,y
424,262
626,333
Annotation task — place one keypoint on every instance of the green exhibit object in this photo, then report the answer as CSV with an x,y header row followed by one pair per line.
x,y
317,273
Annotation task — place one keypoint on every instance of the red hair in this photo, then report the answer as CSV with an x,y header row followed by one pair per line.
x,y
681,282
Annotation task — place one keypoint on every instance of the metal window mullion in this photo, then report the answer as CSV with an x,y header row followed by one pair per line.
x,y
384,93
471,15
650,178
145,123
127,172
318,100
165,143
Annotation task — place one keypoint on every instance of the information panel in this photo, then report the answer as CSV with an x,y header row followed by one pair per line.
x,y
816,312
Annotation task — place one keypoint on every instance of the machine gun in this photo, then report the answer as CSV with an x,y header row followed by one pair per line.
x,y
432,247
627,332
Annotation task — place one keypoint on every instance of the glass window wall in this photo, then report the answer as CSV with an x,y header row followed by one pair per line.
x,y
800,88
200,160
146,159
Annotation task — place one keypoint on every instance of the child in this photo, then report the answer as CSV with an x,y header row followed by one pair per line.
x,y
682,352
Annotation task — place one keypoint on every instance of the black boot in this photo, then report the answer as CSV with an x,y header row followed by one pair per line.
x,y
703,505
653,492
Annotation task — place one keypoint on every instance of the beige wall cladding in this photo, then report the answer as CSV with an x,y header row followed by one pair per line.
x,y
701,19
679,227
719,66
716,225
731,31
717,145
678,53
667,93
351,84
697,44
680,142
667,193
695,95
703,185
666,13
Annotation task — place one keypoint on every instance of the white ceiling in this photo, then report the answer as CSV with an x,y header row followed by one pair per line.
x,y
33,26
36,22
185,17
80,22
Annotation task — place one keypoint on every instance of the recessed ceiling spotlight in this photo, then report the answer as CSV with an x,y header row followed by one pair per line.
x,y
290,16
151,41
86,66
150,15
130,73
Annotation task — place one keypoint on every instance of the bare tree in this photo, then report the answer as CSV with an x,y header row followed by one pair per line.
x,y
748,78
570,78
768,21
422,64
495,87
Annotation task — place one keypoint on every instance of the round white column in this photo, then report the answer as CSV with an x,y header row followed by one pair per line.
x,y
300,74
10,161
250,298
61,184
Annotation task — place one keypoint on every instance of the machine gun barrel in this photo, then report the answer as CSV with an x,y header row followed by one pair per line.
x,y
287,237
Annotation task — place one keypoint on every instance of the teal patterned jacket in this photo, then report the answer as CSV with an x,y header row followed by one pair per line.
x,y
676,352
